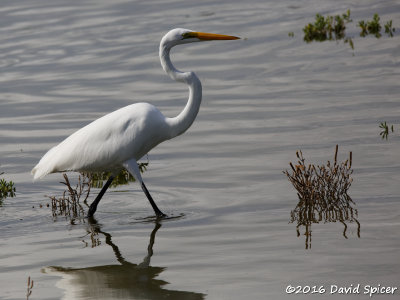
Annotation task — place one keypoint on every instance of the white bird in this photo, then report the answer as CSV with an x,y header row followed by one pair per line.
x,y
119,139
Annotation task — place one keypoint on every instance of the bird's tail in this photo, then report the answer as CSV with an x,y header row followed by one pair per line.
x,y
39,172
45,166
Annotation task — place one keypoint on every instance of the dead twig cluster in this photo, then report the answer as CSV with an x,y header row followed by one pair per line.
x,y
93,232
323,193
69,205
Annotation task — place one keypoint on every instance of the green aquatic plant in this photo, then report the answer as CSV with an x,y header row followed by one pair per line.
x,y
374,27
326,28
389,30
323,194
7,189
385,130
371,27
363,26
123,177
334,28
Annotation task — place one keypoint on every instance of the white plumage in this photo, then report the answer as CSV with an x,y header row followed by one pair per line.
x,y
106,143
119,139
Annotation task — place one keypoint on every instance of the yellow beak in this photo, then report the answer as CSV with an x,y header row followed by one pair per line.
x,y
212,36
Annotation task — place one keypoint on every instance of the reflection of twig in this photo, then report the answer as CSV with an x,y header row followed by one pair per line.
x,y
323,193
358,227
94,229
29,288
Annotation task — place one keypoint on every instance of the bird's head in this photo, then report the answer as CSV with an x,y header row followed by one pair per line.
x,y
179,36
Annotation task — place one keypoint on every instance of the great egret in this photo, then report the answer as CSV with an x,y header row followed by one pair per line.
x,y
119,139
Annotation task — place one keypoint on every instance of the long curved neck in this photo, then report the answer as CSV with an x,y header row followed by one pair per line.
x,y
184,120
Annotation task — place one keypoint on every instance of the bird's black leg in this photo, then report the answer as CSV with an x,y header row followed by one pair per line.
x,y
158,212
93,206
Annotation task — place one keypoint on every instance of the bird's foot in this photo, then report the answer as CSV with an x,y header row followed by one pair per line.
x,y
161,215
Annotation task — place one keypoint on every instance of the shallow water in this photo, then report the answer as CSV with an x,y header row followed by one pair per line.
x,y
64,64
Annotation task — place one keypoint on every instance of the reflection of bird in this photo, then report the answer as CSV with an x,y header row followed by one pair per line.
x,y
118,140
125,280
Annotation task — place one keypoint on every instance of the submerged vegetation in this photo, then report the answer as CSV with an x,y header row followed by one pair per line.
x,y
334,28
322,191
7,189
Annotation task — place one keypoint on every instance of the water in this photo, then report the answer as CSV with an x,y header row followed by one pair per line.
x,y
66,63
